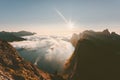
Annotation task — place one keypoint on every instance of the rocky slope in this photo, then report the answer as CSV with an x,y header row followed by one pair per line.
x,y
96,57
13,67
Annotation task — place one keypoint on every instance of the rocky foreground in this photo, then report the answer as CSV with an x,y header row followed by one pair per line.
x,y
13,67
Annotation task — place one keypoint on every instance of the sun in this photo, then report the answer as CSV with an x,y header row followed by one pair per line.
x,y
70,24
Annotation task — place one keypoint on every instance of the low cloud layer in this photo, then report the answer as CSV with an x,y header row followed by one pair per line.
x,y
47,52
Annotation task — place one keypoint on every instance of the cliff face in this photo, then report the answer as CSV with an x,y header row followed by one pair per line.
x,y
96,57
13,67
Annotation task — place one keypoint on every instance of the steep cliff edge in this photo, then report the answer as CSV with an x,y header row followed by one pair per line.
x,y
13,67
96,57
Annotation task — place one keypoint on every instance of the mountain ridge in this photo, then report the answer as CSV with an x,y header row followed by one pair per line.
x,y
96,57
14,36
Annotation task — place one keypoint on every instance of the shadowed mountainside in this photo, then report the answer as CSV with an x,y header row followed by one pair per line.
x,y
96,57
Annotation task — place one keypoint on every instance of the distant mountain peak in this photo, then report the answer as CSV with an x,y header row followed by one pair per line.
x,y
106,31
14,36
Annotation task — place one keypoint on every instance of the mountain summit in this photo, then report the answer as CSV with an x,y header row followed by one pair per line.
x,y
92,35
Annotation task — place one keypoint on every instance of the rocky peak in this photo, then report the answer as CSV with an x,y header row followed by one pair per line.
x,y
106,31
92,35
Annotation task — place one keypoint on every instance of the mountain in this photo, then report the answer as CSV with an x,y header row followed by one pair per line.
x,y
7,36
23,33
92,35
96,57
14,36
13,67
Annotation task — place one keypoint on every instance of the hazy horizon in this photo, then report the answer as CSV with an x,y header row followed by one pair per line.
x,y
61,32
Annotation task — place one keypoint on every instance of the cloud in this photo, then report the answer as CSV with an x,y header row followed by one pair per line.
x,y
47,52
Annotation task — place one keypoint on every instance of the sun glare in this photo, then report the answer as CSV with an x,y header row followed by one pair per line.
x,y
70,24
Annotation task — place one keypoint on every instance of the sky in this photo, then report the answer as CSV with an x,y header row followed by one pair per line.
x,y
47,16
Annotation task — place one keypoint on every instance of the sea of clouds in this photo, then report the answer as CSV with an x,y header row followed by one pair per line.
x,y
47,52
